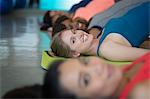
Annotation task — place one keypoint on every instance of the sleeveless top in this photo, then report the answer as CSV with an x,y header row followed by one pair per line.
x,y
134,26
141,75
94,7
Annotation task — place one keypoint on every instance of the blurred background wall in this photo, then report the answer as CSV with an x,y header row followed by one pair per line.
x,y
7,6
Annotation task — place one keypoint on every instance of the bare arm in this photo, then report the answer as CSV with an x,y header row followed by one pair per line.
x,y
117,52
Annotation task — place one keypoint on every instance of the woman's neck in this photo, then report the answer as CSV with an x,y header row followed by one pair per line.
x,y
93,48
95,32
124,81
127,77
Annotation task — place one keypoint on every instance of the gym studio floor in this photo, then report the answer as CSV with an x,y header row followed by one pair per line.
x,y
21,47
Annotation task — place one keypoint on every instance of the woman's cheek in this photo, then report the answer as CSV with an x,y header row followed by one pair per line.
x,y
96,90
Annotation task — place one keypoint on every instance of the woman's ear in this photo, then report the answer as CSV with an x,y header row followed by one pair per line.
x,y
50,29
75,54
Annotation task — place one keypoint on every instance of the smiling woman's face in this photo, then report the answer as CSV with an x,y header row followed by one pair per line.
x,y
89,77
77,40
75,24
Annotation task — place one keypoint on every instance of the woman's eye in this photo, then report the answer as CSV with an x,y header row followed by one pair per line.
x,y
73,41
86,79
73,31
85,60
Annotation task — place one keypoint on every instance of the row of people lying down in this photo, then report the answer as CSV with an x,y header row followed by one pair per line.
x,y
119,40
100,18
92,78
84,9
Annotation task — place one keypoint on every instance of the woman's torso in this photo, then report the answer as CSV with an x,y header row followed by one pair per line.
x,y
130,30
136,76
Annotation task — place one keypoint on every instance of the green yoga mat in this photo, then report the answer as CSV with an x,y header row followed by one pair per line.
x,y
47,59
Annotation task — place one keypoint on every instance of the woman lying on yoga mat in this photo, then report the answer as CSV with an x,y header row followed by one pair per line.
x,y
50,17
63,22
92,78
53,20
87,9
118,41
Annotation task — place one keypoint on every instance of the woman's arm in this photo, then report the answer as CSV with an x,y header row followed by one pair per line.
x,y
117,52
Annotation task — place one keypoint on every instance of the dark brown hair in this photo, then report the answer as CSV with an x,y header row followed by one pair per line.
x,y
52,87
47,21
33,91
59,48
58,26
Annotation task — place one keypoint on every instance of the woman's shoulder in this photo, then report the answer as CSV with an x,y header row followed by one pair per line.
x,y
141,90
115,20
117,38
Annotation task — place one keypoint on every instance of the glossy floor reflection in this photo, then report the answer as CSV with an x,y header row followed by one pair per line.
x,y
21,44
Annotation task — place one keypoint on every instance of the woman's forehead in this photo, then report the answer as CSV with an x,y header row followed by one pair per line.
x,y
69,67
70,62
69,75
64,32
